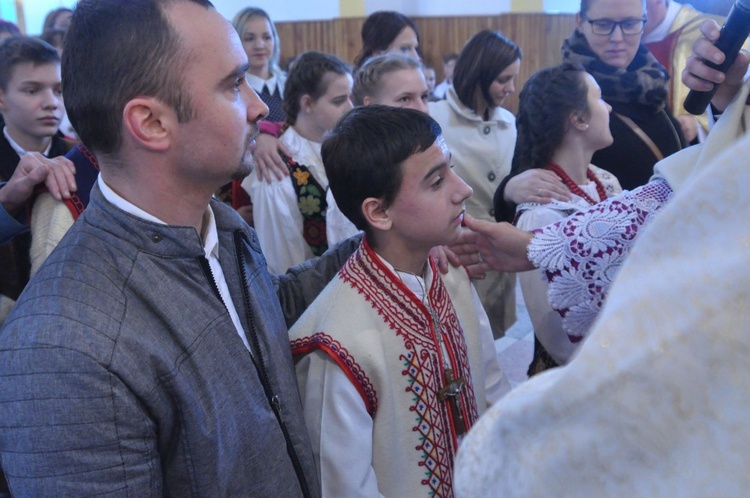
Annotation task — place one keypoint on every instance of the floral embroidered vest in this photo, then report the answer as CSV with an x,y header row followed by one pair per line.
x,y
311,201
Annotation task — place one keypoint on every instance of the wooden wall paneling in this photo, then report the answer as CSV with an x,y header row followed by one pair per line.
x,y
348,37
298,37
540,37
442,35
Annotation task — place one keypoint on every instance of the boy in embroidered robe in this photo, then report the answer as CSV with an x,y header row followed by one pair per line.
x,y
394,360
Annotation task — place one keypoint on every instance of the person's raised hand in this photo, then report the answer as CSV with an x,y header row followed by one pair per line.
x,y
33,169
535,185
698,76
501,246
268,162
444,257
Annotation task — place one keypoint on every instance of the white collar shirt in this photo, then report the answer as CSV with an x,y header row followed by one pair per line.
x,y
20,150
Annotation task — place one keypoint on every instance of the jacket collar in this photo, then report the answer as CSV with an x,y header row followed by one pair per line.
x,y
154,238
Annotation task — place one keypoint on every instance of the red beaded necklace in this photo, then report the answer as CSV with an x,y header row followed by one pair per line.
x,y
574,188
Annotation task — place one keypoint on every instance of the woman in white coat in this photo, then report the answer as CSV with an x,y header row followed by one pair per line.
x,y
482,135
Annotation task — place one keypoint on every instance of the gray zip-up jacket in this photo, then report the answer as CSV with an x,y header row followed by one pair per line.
x,y
121,372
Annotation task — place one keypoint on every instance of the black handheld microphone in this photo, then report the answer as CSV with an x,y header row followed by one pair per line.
x,y
733,35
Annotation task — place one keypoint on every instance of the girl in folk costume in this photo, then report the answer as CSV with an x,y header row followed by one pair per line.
x,y
261,43
395,361
562,120
296,217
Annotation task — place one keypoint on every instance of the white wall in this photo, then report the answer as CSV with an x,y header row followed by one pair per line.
x,y
426,8
8,10
561,6
34,12
283,10
307,10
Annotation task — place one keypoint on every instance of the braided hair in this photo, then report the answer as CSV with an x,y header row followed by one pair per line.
x,y
545,104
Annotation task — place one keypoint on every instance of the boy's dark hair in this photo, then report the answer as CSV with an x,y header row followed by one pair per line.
x,y
483,58
364,153
308,77
113,52
22,49
378,32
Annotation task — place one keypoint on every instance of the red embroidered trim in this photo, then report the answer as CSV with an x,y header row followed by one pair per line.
x,y
345,361
574,188
423,361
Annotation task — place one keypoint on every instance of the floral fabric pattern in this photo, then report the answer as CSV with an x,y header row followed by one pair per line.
x,y
582,254
311,201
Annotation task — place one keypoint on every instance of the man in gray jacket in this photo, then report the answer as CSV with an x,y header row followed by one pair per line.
x,y
149,355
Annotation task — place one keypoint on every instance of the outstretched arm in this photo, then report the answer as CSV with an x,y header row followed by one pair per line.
x,y
301,284
501,246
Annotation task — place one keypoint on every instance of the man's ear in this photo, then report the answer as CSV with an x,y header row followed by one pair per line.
x,y
2,100
376,216
367,100
150,122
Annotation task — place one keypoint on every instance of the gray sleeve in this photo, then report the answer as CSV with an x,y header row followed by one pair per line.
x,y
72,428
301,284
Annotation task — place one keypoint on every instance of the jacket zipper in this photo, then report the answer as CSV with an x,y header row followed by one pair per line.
x,y
260,366
206,267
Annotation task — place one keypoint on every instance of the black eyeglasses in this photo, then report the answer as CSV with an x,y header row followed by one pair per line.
x,y
606,27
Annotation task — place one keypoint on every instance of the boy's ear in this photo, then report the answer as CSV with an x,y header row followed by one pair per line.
x,y
150,122
376,216
2,100
367,100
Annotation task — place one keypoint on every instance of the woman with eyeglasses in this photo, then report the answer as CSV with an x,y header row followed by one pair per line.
x,y
607,43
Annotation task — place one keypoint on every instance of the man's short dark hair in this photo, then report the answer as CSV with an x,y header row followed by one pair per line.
x,y
364,153
114,51
22,49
